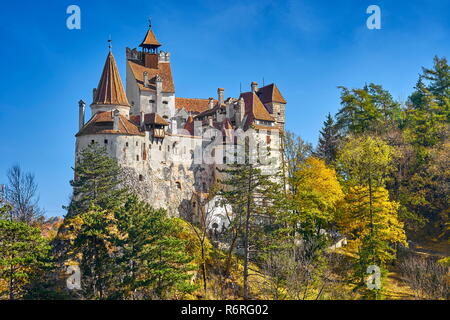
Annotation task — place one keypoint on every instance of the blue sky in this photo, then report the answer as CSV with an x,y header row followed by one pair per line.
x,y
307,48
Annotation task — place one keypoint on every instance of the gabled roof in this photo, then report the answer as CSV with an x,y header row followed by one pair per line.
x,y
254,109
193,105
110,89
150,40
150,118
164,71
103,122
270,93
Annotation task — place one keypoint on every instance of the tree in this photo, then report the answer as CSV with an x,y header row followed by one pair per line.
x,y
97,181
24,254
89,239
295,151
328,141
372,225
153,260
253,197
314,202
364,163
370,109
22,195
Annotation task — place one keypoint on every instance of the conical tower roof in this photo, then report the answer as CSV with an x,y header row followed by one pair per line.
x,y
110,88
150,40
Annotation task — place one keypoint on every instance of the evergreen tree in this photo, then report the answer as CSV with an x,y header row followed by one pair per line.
x,y
97,181
328,141
255,199
154,261
24,255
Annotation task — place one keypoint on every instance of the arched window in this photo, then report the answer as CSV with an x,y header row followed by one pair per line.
x,y
178,183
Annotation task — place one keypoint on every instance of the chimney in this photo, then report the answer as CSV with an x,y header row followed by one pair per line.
x,y
142,118
210,121
116,114
211,103
158,93
146,79
254,86
82,107
220,93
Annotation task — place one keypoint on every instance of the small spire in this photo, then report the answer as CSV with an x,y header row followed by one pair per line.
x,y
150,22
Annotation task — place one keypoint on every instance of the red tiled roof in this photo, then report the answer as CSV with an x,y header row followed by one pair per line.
x,y
103,122
270,93
164,71
150,40
254,109
193,105
150,118
110,88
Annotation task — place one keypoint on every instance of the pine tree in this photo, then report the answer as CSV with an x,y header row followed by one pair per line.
x,y
97,181
254,197
328,141
24,255
154,261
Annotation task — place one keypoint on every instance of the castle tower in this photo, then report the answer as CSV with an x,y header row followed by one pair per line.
x,y
110,94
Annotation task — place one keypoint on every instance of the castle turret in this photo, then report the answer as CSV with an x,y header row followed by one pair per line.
x,y
110,94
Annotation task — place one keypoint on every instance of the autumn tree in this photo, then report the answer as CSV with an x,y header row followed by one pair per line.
x,y
364,163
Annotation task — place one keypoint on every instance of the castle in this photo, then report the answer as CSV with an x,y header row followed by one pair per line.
x,y
172,148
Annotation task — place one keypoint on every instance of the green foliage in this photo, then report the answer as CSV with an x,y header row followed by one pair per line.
x,y
154,261
24,255
370,109
328,141
97,181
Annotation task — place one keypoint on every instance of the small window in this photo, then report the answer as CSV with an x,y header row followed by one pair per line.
x,y
165,102
160,148
178,183
151,101
137,143
92,141
126,144
141,177
106,141
194,204
137,158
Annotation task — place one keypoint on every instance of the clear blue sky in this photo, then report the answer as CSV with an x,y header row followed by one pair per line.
x,y
307,47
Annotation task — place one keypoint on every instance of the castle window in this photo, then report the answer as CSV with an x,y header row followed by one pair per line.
x,y
106,141
152,101
92,141
141,177
178,183
137,143
165,102
137,158
126,144
194,204
160,148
